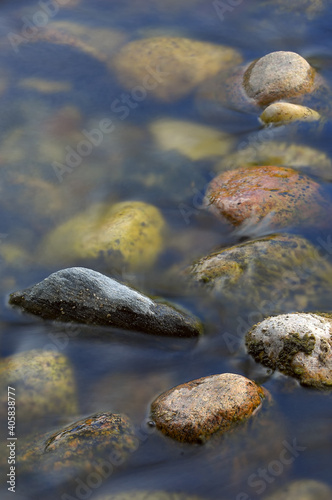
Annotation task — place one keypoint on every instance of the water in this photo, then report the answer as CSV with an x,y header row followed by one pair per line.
x,y
126,371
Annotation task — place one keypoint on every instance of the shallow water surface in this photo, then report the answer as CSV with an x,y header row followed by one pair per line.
x,y
51,94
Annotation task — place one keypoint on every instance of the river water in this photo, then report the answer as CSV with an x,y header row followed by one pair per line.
x,y
50,93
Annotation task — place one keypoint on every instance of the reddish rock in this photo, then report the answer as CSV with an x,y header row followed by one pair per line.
x,y
193,411
252,193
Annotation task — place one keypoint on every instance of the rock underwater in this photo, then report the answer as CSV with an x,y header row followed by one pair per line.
x,y
84,296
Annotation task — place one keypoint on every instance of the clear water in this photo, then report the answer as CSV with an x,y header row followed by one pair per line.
x,y
126,371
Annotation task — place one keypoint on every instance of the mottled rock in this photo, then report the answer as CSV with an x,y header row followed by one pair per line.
x,y
85,296
44,384
260,151
45,86
128,234
276,273
194,411
190,139
304,489
276,76
148,495
311,8
284,195
296,344
169,68
281,113
79,448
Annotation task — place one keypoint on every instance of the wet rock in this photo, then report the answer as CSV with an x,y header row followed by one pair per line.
x,y
283,195
85,296
281,113
276,76
148,495
169,68
311,8
266,152
44,385
296,344
81,447
45,86
270,274
128,234
194,411
304,489
192,140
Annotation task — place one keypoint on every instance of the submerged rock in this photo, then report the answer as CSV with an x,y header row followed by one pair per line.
x,y
169,68
85,296
304,489
296,344
281,113
194,411
193,140
128,234
90,444
283,195
43,382
274,273
148,495
260,151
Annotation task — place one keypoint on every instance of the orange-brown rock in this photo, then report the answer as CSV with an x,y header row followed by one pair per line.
x,y
194,411
250,194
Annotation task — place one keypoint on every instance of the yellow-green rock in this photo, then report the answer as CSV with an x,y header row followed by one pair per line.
x,y
281,113
304,489
169,68
128,234
274,273
190,139
283,154
44,384
148,495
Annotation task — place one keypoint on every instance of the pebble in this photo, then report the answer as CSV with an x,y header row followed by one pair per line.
x,y
193,140
84,296
303,489
90,444
280,113
298,344
169,68
194,411
276,272
127,234
44,384
284,154
250,194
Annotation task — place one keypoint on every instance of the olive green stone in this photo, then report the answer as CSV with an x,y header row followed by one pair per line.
x,y
126,234
280,113
44,384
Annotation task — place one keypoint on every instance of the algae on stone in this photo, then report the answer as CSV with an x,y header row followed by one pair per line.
x,y
126,234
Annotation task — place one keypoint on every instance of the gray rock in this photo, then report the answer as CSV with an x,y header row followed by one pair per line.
x,y
84,296
298,344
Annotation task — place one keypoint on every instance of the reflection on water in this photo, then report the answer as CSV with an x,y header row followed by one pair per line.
x,y
74,135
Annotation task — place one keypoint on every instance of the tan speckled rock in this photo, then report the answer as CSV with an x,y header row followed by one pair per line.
x,y
298,344
305,489
194,411
278,75
169,68
125,234
281,113
44,383
286,196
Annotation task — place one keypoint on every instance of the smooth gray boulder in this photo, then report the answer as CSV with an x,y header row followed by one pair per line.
x,y
84,296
